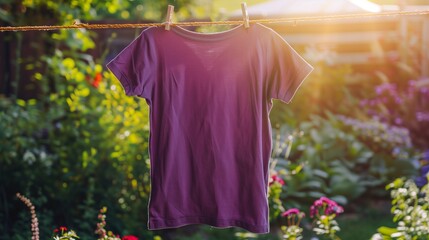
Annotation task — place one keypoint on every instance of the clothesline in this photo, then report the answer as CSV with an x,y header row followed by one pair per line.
x,y
232,22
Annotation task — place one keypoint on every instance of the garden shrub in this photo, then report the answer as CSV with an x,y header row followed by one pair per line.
x,y
343,158
410,207
77,153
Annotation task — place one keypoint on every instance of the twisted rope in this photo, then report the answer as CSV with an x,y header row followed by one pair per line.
x,y
235,22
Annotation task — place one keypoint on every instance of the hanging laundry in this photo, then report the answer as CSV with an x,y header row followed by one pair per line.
x,y
210,95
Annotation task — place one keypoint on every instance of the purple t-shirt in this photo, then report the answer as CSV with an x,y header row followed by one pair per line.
x,y
210,96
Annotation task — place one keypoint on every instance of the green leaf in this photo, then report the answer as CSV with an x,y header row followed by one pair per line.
x,y
347,187
20,102
340,199
5,16
311,185
387,231
320,173
315,194
32,102
399,182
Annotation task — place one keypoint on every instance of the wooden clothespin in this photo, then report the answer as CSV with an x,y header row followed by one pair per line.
x,y
170,12
245,15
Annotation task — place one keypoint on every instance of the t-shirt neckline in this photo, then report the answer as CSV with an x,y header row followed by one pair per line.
x,y
212,36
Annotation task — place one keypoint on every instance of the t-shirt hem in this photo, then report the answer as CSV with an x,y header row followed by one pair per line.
x,y
158,224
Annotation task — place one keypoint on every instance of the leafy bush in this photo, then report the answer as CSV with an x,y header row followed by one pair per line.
x,y
311,99
343,158
65,153
63,149
410,207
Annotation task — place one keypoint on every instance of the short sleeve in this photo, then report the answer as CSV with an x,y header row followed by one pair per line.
x,y
134,66
287,70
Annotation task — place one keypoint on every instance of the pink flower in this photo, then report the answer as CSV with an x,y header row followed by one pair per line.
x,y
323,200
129,237
275,178
292,211
329,207
334,209
313,211
294,216
327,200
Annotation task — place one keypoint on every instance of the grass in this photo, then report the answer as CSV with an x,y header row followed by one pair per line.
x,y
363,227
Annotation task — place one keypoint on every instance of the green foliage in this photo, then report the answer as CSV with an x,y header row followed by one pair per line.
x,y
292,230
274,201
325,80
70,149
327,226
68,11
410,207
82,144
331,158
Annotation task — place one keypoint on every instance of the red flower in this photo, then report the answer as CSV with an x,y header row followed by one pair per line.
x,y
129,237
97,79
63,229
56,230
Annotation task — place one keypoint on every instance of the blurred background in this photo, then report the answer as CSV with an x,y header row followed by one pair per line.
x,y
72,142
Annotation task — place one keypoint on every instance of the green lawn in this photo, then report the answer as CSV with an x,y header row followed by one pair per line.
x,y
363,227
